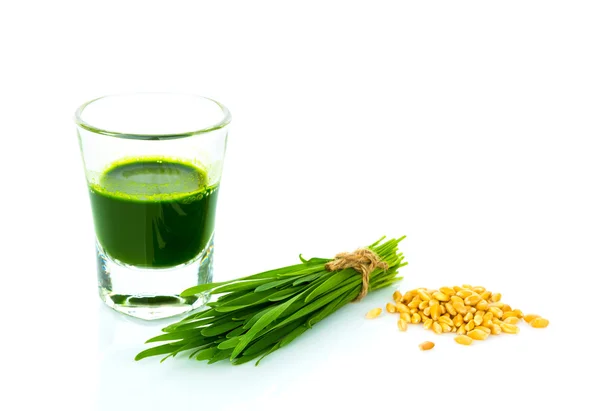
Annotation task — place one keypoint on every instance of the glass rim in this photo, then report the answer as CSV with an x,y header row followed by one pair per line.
x,y
225,120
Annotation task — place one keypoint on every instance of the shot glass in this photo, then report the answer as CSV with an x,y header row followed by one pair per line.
x,y
153,164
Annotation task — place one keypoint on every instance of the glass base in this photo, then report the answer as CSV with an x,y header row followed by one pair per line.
x,y
153,293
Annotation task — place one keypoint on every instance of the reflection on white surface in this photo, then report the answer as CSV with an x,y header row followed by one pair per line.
x,y
343,360
323,361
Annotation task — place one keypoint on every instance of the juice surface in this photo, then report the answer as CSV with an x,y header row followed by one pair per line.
x,y
153,212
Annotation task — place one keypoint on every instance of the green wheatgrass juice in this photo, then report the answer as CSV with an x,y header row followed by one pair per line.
x,y
153,212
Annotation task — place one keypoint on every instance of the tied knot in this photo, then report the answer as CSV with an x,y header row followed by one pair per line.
x,y
362,260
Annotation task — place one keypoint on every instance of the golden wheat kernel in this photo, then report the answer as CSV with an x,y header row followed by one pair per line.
x,y
496,321
482,305
486,295
423,305
472,299
539,322
449,309
435,312
440,296
509,328
402,325
470,326
397,296
530,317
506,308
437,328
405,317
456,299
415,318
414,310
477,334
415,296
442,309
463,340
448,291
496,312
427,311
458,320
414,303
402,308
471,309
487,323
457,288
427,345
427,323
446,328
464,294
423,294
406,298
488,316
460,307
519,313
479,289
461,330
467,286
495,329
511,320
498,304
482,328
468,317
496,297
446,320
433,302
374,313
478,319
509,314
390,308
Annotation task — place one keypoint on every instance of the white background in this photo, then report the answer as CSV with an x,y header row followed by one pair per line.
x,y
470,126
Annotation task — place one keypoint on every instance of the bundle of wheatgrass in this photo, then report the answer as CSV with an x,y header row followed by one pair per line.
x,y
261,313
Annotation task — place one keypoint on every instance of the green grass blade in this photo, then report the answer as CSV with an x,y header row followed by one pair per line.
x,y
221,328
235,332
283,294
229,343
241,286
248,300
293,335
273,349
272,337
247,358
274,284
265,320
197,289
328,309
207,354
220,355
178,335
256,317
160,350
315,305
331,283
195,352
309,278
